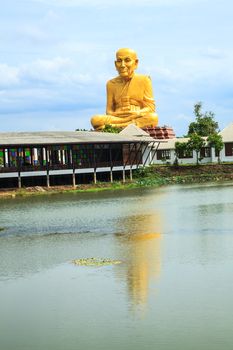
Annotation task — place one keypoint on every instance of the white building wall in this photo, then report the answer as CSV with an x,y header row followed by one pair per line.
x,y
205,160
147,155
227,136
192,160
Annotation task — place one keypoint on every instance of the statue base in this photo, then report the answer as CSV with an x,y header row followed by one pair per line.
x,y
161,132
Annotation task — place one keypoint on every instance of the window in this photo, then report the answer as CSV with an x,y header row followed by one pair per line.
x,y
1,157
12,153
185,154
205,152
163,154
85,155
229,149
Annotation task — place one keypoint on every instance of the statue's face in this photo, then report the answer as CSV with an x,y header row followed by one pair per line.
x,y
126,63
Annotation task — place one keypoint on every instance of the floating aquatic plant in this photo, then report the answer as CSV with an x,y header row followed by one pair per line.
x,y
95,262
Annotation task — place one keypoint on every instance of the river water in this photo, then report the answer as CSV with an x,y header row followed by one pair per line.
x,y
173,289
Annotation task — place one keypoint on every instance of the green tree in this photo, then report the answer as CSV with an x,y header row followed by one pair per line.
x,y
204,124
180,150
215,140
111,129
195,143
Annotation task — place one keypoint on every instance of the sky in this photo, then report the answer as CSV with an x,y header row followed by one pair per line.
x,y
57,55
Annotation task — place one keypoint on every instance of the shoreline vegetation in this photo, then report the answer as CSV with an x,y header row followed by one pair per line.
x,y
153,176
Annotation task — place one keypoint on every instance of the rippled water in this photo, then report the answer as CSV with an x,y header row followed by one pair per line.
x,y
173,289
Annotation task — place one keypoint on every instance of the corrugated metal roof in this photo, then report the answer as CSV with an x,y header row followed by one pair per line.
x,y
63,137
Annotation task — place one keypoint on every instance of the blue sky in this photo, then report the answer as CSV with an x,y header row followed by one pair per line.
x,y
56,56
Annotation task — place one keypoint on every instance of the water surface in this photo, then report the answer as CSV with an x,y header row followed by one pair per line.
x,y
173,289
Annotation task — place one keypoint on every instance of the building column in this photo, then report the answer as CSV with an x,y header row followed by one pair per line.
x,y
47,166
35,156
111,164
73,178
73,167
19,168
123,174
95,178
95,164
131,173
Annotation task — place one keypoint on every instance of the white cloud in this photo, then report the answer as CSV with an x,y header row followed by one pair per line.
x,y
32,33
51,16
58,71
183,117
41,30
214,53
45,66
8,75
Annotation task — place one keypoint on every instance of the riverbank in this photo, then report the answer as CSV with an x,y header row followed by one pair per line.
x,y
169,174
156,175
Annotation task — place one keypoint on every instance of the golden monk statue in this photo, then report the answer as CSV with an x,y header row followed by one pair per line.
x,y
129,96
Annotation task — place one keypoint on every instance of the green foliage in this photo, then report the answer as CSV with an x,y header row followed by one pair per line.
x,y
182,151
205,124
215,140
195,143
180,148
176,162
143,172
146,177
111,129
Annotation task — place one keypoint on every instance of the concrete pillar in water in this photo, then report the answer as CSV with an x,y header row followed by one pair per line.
x,y
95,176
19,180
47,167
47,179
123,174
73,178
131,173
111,175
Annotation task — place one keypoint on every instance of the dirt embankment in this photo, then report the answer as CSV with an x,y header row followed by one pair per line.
x,y
192,173
195,170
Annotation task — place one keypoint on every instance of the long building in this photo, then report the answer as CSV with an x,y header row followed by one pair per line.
x,y
47,155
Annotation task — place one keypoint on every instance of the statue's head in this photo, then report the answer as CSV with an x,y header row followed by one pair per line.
x,y
126,62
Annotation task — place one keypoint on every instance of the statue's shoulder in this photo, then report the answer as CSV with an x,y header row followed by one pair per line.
x,y
114,81
141,77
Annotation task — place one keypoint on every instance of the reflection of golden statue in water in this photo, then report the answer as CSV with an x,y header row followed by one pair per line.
x,y
141,252
144,266
129,96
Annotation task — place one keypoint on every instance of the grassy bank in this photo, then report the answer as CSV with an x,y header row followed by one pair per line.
x,y
169,174
156,175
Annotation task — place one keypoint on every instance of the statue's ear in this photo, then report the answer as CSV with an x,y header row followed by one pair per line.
x,y
136,63
116,65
